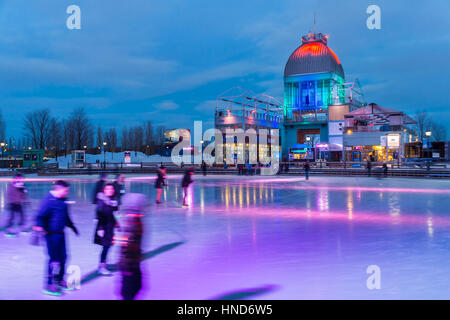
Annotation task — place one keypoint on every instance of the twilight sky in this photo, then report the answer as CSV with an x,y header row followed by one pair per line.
x,y
167,60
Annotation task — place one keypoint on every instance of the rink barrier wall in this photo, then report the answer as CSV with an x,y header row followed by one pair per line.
x,y
324,169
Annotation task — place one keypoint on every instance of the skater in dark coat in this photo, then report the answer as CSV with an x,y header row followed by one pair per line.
x,y
307,168
106,222
16,196
52,218
160,182
204,168
185,182
130,241
99,187
119,187
369,168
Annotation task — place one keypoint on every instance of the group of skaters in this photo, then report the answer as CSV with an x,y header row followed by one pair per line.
x,y
284,167
383,172
53,218
161,182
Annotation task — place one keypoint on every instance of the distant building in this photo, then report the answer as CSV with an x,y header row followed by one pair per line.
x,y
316,98
376,133
173,135
171,138
324,116
242,109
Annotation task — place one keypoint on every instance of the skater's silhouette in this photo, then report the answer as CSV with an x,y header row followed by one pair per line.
x,y
52,218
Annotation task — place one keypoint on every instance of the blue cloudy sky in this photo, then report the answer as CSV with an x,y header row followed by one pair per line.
x,y
167,61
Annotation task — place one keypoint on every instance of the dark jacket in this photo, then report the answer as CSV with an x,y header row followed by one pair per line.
x,y
186,181
15,194
307,166
160,181
97,189
106,220
119,191
53,215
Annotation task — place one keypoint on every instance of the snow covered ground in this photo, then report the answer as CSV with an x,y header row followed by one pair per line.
x,y
116,157
261,238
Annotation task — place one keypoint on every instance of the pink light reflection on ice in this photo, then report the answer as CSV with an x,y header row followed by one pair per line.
x,y
332,215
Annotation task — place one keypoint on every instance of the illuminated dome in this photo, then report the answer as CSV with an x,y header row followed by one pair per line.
x,y
313,56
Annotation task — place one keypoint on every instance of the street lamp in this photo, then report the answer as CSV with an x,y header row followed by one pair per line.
x,y
104,153
308,140
201,141
428,133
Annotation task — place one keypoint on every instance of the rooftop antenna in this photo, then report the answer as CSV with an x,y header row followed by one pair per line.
x,y
314,22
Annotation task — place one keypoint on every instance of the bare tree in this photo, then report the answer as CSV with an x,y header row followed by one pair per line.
x,y
125,139
159,136
148,136
56,137
138,138
2,127
67,136
111,139
422,124
80,129
99,137
36,125
438,131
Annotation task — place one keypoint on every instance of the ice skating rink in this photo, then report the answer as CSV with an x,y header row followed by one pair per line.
x,y
258,238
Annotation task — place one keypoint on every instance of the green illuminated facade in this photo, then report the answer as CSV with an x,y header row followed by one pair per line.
x,y
314,82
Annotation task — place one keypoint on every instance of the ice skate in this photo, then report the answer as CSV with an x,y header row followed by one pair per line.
x,y
62,285
25,231
52,290
9,233
103,271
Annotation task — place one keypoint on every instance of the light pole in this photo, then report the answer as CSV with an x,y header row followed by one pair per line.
x,y
3,146
428,133
104,153
308,140
201,141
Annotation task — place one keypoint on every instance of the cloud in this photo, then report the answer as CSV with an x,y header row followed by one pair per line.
x,y
166,106
207,107
164,54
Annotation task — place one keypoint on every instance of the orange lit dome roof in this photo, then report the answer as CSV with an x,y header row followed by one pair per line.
x,y
313,56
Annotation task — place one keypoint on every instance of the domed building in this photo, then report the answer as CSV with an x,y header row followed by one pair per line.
x,y
316,97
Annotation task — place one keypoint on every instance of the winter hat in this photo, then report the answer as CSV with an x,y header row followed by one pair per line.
x,y
134,202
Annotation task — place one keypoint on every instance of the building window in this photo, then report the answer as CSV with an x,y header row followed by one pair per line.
x,y
308,94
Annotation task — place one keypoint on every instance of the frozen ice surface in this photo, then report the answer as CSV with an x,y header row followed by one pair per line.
x,y
259,238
